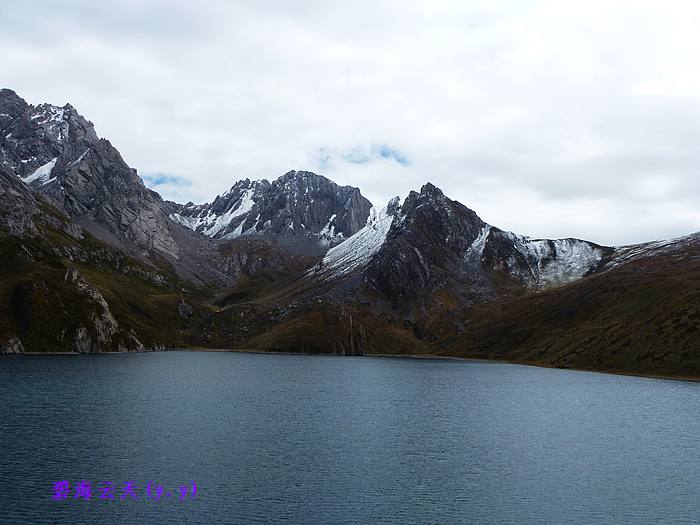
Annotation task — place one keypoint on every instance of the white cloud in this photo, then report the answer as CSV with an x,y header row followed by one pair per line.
x,y
548,118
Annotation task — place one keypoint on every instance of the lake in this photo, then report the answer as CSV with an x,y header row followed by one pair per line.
x,y
315,439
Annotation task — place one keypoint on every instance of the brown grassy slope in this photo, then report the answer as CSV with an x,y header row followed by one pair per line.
x,y
641,318
39,306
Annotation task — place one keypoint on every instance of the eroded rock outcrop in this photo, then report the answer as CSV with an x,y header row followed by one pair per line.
x,y
12,346
103,333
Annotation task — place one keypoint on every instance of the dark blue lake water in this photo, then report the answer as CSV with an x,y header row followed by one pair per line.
x,y
304,439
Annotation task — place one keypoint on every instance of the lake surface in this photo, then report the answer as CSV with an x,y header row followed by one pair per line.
x,y
308,439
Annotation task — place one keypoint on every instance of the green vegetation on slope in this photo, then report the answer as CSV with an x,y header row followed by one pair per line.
x,y
642,317
44,308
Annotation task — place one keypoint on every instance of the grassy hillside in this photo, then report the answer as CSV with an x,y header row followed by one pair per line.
x,y
42,306
63,292
642,318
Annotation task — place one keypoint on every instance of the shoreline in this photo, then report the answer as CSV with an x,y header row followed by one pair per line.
x,y
688,379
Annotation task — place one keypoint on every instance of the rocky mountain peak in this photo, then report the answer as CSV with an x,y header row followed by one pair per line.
x,y
11,104
56,151
431,243
305,182
432,209
294,176
393,206
300,209
431,190
426,243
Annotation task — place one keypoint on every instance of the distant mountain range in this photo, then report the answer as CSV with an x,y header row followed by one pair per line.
x,y
300,209
93,261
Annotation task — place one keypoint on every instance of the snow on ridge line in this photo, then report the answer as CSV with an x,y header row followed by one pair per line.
x,y
555,261
245,204
42,174
630,252
571,260
212,224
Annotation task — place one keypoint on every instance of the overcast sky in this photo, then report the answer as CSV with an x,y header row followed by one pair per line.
x,y
550,119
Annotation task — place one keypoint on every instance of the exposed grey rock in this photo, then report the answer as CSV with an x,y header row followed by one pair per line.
x,y
12,346
131,343
82,341
184,310
424,247
57,152
408,252
18,206
104,333
298,208
353,341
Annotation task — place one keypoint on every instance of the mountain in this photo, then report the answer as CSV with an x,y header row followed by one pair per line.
x,y
46,302
428,276
638,314
93,261
300,210
431,242
57,152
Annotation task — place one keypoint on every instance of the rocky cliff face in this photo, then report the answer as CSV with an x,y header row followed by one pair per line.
x,y
56,152
102,333
430,242
18,205
426,245
299,209
45,301
23,212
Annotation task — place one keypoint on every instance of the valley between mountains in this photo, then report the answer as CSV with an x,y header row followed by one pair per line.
x,y
93,261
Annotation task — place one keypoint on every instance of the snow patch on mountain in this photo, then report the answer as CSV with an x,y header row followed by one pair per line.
x,y
555,262
358,250
328,235
41,175
79,159
242,207
53,120
624,254
212,223
296,207
476,250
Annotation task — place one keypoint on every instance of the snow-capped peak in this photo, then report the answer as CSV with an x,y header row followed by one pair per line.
x,y
299,206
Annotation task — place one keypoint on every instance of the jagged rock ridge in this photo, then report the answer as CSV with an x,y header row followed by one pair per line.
x,y
57,152
430,241
298,206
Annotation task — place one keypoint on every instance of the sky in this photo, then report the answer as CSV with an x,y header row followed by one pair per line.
x,y
548,118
